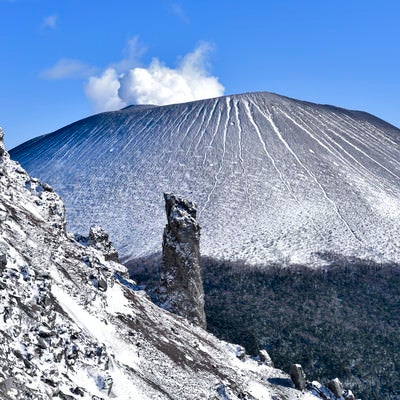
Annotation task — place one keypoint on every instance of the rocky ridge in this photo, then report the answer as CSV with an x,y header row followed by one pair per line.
x,y
65,336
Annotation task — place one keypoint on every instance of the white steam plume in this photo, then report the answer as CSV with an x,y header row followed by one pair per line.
x,y
103,91
156,84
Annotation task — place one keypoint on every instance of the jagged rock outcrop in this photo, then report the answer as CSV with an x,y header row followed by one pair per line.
x,y
181,286
99,239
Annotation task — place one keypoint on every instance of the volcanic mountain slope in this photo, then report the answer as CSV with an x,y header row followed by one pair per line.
x,y
72,327
276,179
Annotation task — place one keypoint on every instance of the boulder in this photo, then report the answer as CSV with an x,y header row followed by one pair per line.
x,y
336,387
3,255
3,260
265,358
298,376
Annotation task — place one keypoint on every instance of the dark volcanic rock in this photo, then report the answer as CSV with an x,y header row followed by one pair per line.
x,y
298,376
2,148
3,260
181,285
336,387
99,239
265,358
3,255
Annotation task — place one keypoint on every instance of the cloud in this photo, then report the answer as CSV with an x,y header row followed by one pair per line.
x,y
180,13
103,91
156,84
50,22
67,68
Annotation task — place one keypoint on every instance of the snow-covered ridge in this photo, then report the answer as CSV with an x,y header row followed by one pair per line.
x,y
276,179
65,336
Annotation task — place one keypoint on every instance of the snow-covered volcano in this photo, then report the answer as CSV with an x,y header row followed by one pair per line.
x,y
276,179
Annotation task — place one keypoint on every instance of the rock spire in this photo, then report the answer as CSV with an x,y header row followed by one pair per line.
x,y
181,286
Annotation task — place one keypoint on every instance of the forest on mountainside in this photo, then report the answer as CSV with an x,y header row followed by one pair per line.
x,y
341,319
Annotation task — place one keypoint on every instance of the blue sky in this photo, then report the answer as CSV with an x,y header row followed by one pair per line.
x,y
62,60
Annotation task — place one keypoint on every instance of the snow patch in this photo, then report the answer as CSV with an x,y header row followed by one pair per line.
x,y
259,391
104,333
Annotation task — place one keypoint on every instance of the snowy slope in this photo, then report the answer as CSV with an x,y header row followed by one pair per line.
x,y
275,179
64,336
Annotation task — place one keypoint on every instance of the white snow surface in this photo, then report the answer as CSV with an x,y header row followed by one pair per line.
x,y
275,179
61,337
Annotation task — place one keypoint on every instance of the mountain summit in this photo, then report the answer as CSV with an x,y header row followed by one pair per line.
x,y
276,179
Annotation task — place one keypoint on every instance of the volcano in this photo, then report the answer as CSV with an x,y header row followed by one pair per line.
x,y
275,179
